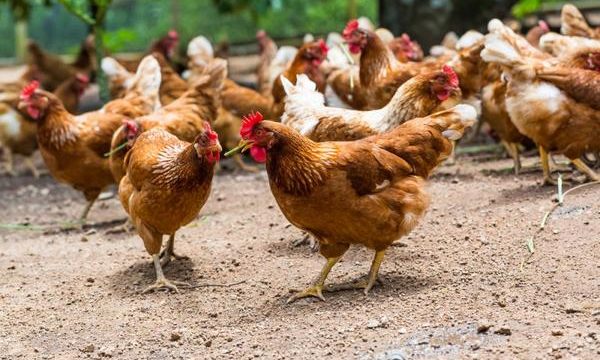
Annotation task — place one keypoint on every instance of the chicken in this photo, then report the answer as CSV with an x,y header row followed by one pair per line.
x,y
493,112
185,117
420,96
267,50
405,49
166,46
535,33
54,70
574,24
167,184
171,88
200,52
369,192
307,61
18,133
559,123
71,90
581,84
74,147
557,45
380,74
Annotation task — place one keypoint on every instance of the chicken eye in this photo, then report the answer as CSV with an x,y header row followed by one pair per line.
x,y
259,132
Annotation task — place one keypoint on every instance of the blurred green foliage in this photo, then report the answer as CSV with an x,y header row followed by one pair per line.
x,y
136,23
525,7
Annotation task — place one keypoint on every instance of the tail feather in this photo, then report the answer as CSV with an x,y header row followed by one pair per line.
x,y
573,22
147,77
501,45
425,142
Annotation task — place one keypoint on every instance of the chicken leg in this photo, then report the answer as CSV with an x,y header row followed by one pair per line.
x,y
316,290
548,180
365,284
581,166
86,210
168,252
31,165
8,164
161,281
513,151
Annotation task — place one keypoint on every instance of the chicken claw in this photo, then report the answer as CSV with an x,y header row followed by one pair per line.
x,y
166,284
316,290
313,291
161,281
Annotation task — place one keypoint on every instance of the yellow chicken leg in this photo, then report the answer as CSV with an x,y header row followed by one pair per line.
x,y
548,180
8,164
581,166
31,165
168,252
316,290
364,284
161,281
86,210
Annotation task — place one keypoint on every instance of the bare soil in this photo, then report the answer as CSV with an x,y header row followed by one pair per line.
x,y
457,287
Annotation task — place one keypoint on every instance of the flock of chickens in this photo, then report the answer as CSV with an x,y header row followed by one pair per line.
x,y
358,124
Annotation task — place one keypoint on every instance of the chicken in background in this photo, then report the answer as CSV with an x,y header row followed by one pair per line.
x,y
18,134
574,24
535,33
380,74
422,95
74,148
167,183
307,61
405,49
199,52
53,69
559,123
267,49
166,46
369,192
185,117
494,113
558,45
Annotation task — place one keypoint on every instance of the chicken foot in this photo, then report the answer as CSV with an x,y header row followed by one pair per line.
x,y
31,166
316,290
548,180
86,211
8,162
161,281
513,150
168,252
364,284
581,166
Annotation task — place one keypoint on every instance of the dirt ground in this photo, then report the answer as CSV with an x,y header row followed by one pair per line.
x,y
454,288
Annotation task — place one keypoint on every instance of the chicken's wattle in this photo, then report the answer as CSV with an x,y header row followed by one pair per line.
x,y
259,154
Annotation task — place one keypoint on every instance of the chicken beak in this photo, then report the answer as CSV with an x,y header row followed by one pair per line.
x,y
242,146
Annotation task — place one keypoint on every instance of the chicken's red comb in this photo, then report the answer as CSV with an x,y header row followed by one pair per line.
x,y
130,125
544,25
405,38
350,27
209,131
452,77
173,34
248,123
29,89
323,46
82,78
261,34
